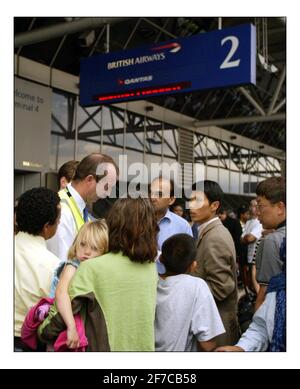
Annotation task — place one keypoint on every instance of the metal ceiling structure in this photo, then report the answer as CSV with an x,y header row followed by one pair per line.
x,y
239,118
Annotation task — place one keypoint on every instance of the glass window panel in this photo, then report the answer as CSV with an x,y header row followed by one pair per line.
x,y
234,183
212,173
62,150
224,180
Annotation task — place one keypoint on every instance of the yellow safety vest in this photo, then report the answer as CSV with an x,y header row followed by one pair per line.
x,y
67,200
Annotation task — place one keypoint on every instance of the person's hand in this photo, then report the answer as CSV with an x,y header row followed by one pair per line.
x,y
229,348
73,340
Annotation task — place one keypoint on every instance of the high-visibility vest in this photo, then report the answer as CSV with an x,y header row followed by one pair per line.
x,y
67,200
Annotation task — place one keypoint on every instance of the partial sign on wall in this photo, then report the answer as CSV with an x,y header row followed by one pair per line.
x,y
32,125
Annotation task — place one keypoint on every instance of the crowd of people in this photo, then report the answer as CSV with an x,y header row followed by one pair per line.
x,y
150,276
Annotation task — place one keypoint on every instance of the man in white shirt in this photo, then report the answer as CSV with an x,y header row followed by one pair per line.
x,y
37,215
94,178
252,231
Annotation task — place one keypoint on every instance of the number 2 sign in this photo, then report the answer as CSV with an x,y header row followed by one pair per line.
x,y
234,46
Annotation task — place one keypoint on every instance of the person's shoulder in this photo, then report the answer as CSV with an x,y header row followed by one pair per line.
x,y
65,211
218,235
198,287
101,259
193,282
274,237
52,258
105,261
92,266
219,229
173,216
178,220
21,237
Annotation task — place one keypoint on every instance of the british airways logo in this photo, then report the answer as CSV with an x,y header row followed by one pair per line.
x,y
174,47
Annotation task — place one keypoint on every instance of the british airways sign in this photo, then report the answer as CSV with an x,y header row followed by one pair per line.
x,y
215,59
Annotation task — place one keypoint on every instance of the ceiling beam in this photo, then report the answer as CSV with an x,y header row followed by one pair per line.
x,y
239,120
279,105
159,28
252,100
60,29
179,120
277,91
119,131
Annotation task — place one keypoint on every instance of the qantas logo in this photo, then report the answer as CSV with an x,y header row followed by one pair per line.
x,y
174,47
136,80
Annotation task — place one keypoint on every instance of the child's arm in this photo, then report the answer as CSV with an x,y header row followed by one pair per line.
x,y
229,348
64,307
208,345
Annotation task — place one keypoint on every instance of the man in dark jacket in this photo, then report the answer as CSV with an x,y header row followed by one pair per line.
x,y
235,229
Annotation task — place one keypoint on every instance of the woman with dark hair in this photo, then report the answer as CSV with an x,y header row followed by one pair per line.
x,y
117,291
132,229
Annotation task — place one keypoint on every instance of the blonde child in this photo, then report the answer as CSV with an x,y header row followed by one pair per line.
x,y
90,242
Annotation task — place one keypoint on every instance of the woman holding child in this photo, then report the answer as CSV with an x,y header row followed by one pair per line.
x,y
116,292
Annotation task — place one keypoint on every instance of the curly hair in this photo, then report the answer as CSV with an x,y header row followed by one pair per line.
x,y
132,229
37,207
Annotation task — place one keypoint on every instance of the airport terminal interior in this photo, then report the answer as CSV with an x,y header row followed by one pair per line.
x,y
202,96
237,133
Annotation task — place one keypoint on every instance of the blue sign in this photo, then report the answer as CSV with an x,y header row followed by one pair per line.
x,y
214,59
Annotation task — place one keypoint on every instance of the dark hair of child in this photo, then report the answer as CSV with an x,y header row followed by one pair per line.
x,y
178,253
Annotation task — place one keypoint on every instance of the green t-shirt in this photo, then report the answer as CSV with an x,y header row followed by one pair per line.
x,y
117,298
